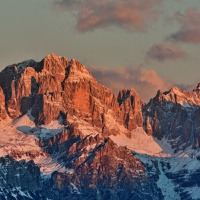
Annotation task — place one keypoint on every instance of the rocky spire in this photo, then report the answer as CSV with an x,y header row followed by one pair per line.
x,y
3,113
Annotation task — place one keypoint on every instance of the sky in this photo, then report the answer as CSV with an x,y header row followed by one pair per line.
x,y
142,44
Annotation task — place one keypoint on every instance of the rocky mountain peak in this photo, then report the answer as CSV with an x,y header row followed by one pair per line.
x,y
53,65
20,67
174,90
198,86
176,95
197,89
57,87
125,94
84,115
174,115
78,71
158,98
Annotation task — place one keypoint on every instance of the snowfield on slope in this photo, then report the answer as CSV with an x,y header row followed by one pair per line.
x,y
166,185
16,140
140,142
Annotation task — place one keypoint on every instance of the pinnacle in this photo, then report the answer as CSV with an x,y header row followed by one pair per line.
x,y
52,55
175,88
198,86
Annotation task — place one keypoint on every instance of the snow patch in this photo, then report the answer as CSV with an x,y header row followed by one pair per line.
x,y
194,192
166,185
140,142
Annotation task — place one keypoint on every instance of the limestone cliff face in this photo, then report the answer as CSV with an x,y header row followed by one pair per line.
x,y
57,88
16,82
3,113
33,85
175,116
130,109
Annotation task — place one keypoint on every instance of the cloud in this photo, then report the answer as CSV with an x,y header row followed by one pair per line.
x,y
132,15
189,31
145,81
165,51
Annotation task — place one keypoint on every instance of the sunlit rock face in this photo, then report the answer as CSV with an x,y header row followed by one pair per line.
x,y
130,109
57,87
3,113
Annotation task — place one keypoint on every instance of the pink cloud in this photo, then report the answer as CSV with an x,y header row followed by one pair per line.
x,y
145,81
165,51
189,31
127,14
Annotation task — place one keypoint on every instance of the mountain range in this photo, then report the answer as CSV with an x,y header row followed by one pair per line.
x,y
64,136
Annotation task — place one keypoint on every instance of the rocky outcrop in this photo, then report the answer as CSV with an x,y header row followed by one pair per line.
x,y
60,142
98,163
19,174
85,98
3,113
130,109
16,81
91,159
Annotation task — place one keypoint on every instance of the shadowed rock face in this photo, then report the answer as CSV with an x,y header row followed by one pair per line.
x,y
105,166
175,116
11,174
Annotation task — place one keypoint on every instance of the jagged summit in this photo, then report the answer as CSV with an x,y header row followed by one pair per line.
x,y
174,90
20,66
53,56
57,87
174,115
78,71
88,142
197,89
58,64
177,95
124,94
51,64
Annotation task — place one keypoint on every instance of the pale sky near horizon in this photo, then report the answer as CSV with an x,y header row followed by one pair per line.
x,y
146,44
